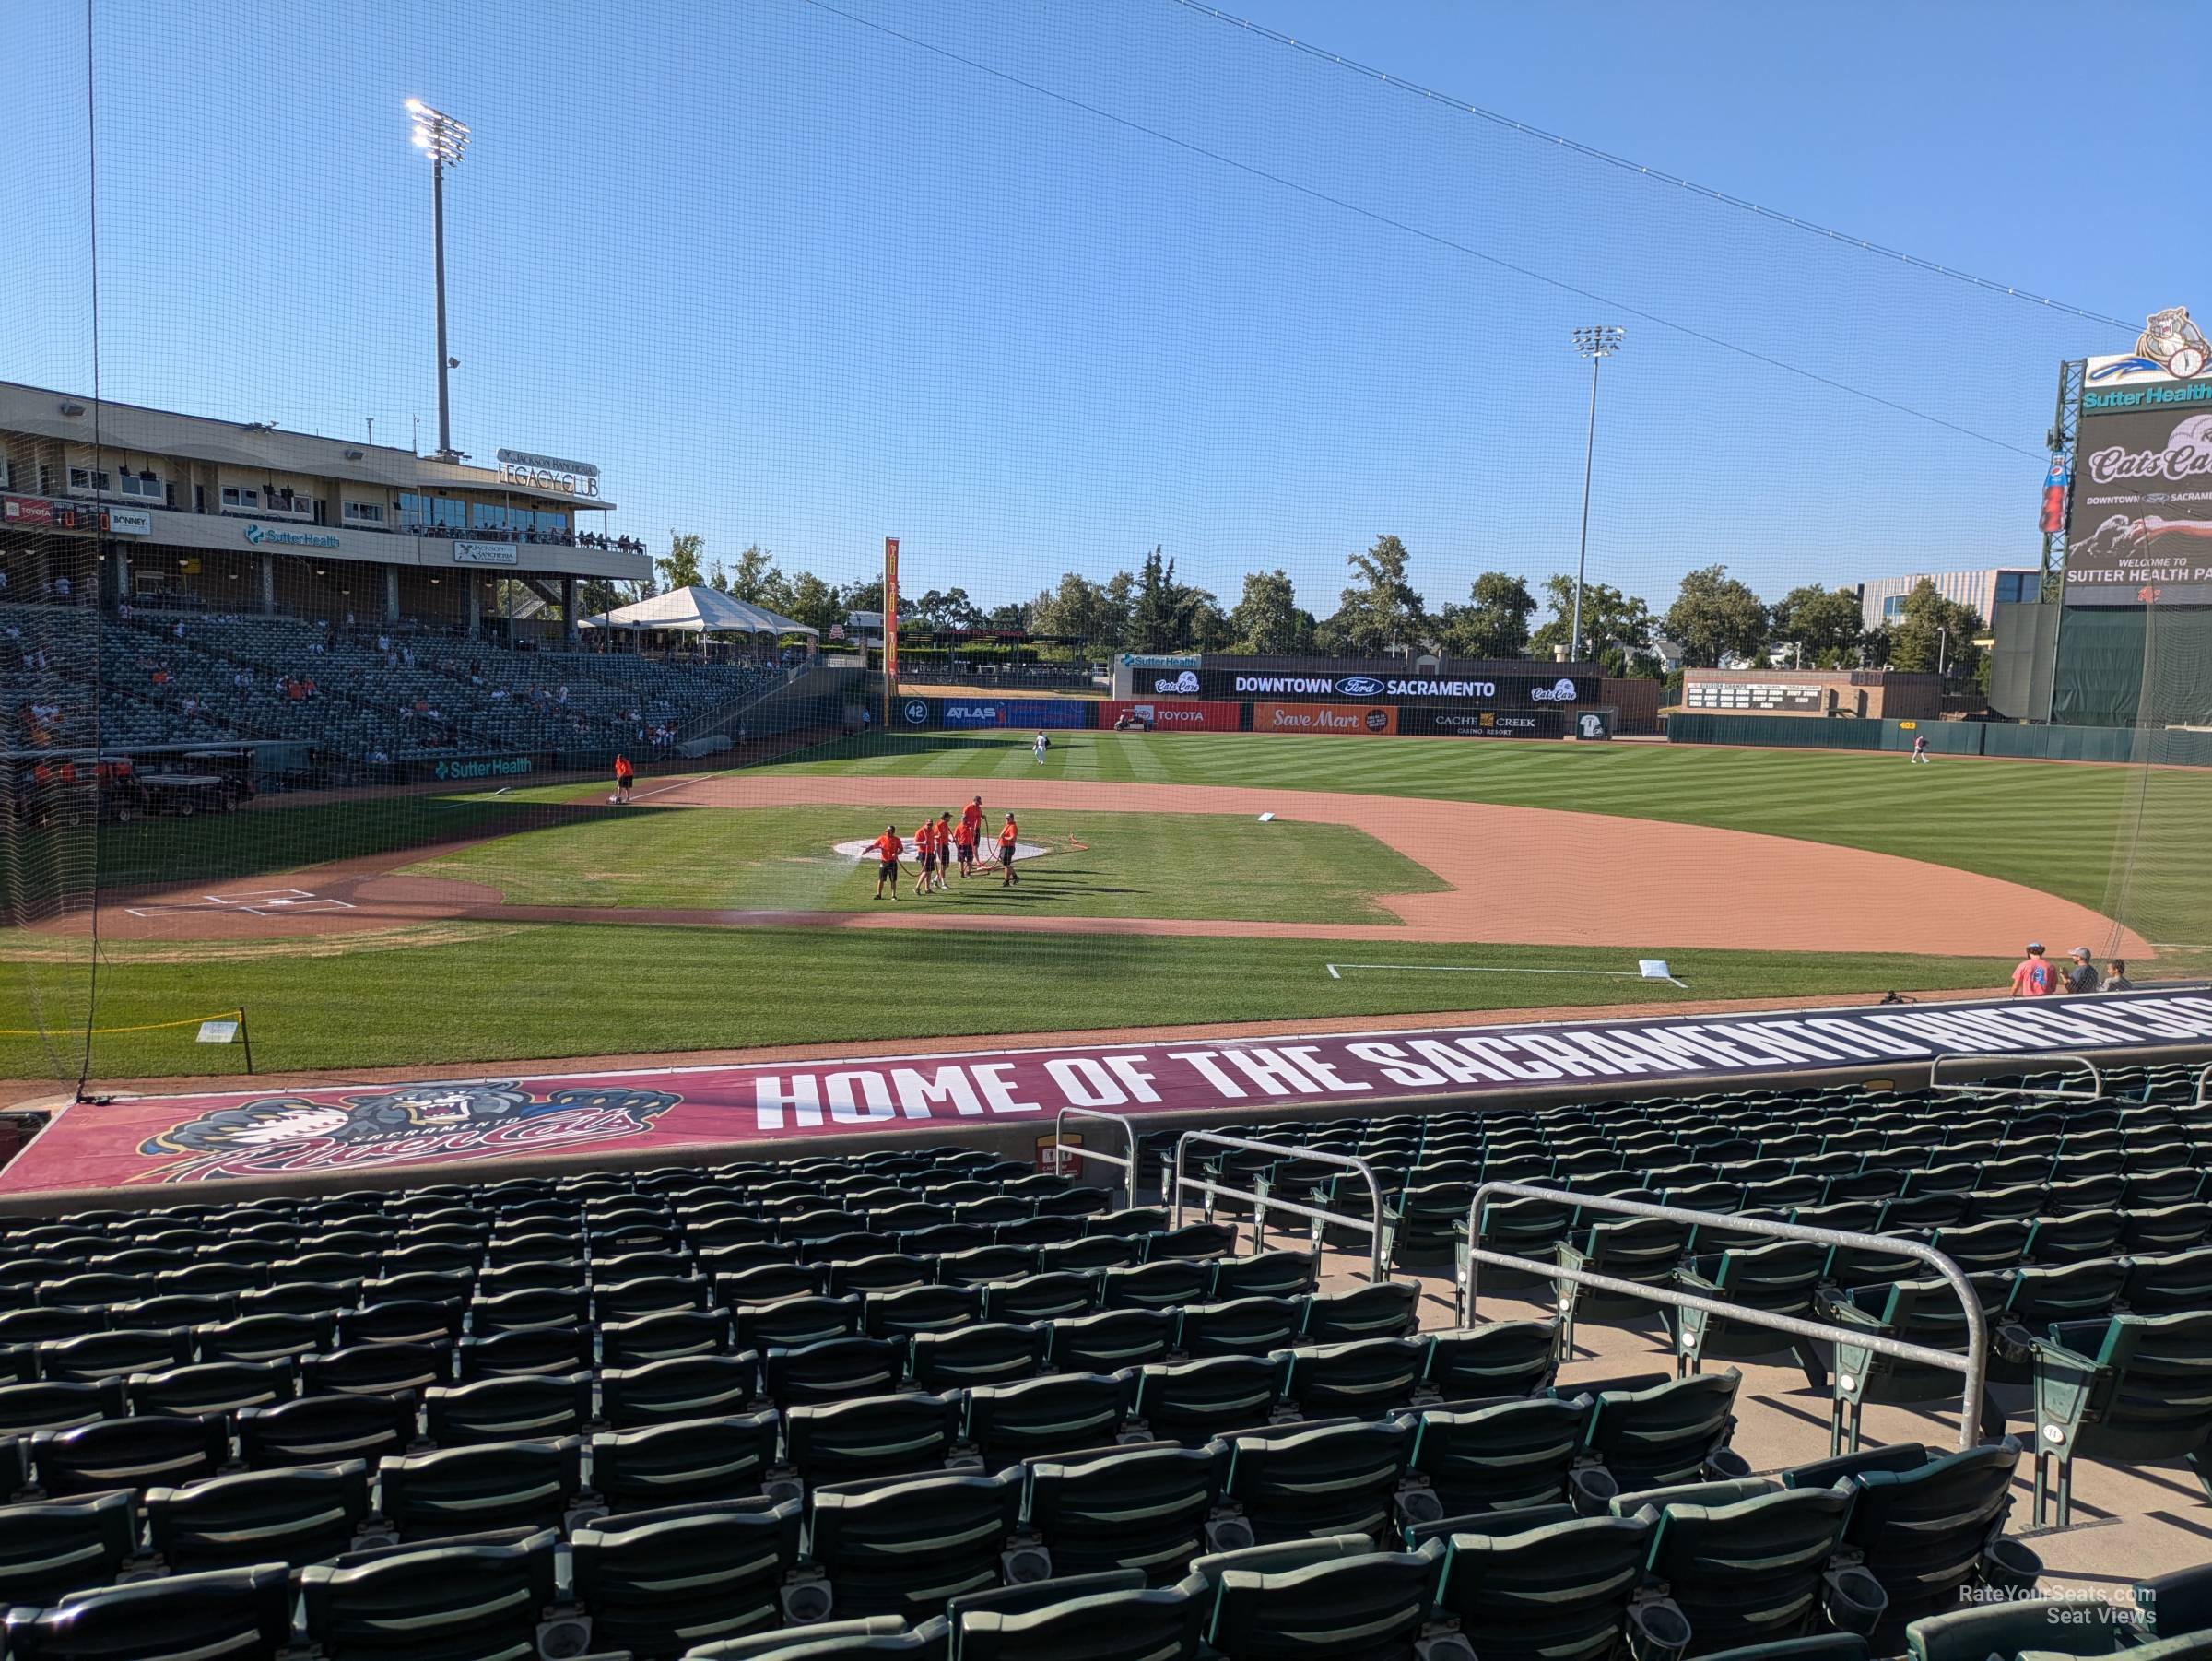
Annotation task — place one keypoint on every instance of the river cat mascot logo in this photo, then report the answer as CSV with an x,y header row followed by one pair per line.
x,y
2170,344
412,1124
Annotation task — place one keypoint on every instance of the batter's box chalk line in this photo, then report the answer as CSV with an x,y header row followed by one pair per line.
x,y
1643,972
261,903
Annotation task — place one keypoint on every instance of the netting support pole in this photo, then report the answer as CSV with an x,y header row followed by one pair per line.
x,y
246,1036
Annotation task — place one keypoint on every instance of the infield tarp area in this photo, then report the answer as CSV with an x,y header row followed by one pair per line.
x,y
171,1139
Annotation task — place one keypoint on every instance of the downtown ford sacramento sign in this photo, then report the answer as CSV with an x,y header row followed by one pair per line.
x,y
548,473
1506,691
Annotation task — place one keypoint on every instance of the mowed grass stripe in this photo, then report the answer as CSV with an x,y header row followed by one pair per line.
x,y
548,991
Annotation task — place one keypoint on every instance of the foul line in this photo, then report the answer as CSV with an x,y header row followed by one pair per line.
x,y
1610,974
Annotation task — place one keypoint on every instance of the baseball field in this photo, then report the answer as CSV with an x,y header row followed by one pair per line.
x,y
1395,876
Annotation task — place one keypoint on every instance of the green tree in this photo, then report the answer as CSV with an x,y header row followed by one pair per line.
x,y
1266,622
1152,620
1617,626
1822,623
815,603
1381,609
681,568
1714,615
1935,632
1495,621
756,580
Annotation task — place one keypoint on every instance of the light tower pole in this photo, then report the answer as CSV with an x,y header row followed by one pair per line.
x,y
1598,344
443,139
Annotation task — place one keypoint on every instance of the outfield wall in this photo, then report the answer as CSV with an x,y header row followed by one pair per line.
x,y
2175,748
1564,717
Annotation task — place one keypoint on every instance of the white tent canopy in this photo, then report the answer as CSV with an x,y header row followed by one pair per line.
x,y
698,610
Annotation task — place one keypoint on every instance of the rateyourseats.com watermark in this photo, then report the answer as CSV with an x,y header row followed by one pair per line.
x,y
2076,1605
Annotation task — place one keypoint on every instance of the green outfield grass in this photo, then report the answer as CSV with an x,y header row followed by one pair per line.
x,y
1097,864
500,991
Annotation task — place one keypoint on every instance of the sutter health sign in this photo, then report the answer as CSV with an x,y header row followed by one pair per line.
x,y
195,1139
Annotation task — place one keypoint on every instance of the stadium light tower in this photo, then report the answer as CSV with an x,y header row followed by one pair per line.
x,y
443,139
1598,344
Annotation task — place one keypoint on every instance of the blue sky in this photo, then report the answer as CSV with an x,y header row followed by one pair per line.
x,y
791,278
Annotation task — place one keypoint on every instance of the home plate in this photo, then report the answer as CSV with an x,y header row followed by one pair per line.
x,y
263,902
865,849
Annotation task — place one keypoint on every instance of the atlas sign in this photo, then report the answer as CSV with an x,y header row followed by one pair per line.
x,y
548,473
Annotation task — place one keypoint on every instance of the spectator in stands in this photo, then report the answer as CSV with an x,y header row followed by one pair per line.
x,y
2083,976
2117,980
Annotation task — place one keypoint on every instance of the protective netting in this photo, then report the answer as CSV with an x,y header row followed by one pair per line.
x,y
1145,334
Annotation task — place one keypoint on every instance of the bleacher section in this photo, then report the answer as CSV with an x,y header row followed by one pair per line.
x,y
230,678
930,1402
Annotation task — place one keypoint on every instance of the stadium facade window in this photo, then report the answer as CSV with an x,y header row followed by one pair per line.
x,y
434,510
364,512
238,496
145,485
1893,607
85,478
2013,586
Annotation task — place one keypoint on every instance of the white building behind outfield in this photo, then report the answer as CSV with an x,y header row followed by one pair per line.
x,y
242,518
1882,599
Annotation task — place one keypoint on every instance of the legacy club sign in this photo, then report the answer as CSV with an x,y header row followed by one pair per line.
x,y
133,1141
548,473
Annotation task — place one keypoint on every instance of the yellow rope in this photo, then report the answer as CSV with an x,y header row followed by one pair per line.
x,y
151,1026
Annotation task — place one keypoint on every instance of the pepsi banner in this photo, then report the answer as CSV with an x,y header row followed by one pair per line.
x,y
1489,691
339,1133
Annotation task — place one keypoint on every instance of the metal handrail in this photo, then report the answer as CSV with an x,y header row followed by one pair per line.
x,y
2056,1095
1063,1148
1264,1203
1974,1363
2204,1085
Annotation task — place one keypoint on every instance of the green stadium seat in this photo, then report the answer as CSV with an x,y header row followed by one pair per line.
x,y
2172,1284
1780,1279
986,1353
536,1353
1654,1432
1109,1341
541,1409
863,1640
2133,1388
921,1308
321,1430
692,1386
1046,1417
649,1295
1192,1402
1644,1250
1745,1571
114,1354
1276,1274
376,1369
477,1598
1926,1313
879,1436
769,1283
402,1321
1493,1458
791,1322
1090,1253
60,1406
268,1336
1501,1358
1387,1309
833,1369
1150,1508
238,1614
665,1336
212,1387
885,1272
2038,1626
2042,1298
981,1265
51,1548
529,1310
685,1462
306,1515
672,1582
902,1545
2075,1238
1298,1483
1165,1285
1240,1326
1366,1378
1929,1527
514,1484
1139,1624
1560,1591
148,1451
1193,1243
1333,1599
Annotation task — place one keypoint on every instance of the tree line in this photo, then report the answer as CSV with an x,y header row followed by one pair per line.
x,y
1714,615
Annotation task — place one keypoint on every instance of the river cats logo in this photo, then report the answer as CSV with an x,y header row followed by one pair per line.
x,y
416,1124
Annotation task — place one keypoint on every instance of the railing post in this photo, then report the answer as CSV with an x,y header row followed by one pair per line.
x,y
1062,1149
1374,1228
1974,1365
2059,1094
